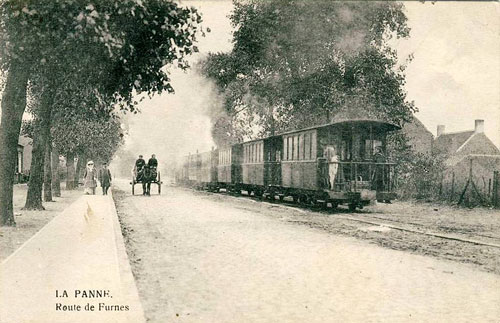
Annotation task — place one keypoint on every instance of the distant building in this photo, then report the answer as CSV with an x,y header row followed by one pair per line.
x,y
468,153
420,138
455,144
23,162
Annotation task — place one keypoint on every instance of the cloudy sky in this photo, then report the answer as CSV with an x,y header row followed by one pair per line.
x,y
453,79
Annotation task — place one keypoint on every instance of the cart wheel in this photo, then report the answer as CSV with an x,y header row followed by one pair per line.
x,y
159,188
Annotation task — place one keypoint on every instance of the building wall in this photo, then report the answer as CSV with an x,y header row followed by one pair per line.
x,y
419,137
482,172
27,143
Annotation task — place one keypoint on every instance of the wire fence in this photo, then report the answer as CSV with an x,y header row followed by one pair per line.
x,y
472,182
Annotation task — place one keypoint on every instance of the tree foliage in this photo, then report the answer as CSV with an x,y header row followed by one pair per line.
x,y
298,63
109,50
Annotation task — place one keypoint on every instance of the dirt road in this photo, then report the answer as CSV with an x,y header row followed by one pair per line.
x,y
198,259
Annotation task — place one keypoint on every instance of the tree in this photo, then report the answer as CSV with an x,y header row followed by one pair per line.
x,y
124,44
299,63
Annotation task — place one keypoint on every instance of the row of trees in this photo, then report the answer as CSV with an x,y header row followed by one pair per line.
x,y
297,63
74,64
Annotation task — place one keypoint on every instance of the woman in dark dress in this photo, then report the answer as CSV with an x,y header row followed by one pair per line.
x,y
105,178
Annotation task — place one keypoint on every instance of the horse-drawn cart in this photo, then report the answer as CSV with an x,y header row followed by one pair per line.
x,y
146,177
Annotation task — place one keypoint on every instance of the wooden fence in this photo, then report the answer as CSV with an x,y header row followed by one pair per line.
x,y
473,191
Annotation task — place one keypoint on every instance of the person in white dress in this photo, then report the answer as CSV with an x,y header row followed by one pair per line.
x,y
90,178
332,158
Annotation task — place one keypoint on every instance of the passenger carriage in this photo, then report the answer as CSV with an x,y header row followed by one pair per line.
x,y
208,170
229,168
193,170
359,179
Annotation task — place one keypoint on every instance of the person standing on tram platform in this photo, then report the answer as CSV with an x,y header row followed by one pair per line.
x,y
332,158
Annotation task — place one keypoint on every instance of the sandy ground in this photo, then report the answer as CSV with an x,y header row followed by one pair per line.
x,y
30,222
200,257
376,223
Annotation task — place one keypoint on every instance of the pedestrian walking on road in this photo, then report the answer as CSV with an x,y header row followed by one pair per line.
x,y
90,178
105,178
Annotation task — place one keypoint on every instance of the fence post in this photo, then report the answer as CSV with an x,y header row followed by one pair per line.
x,y
489,187
452,186
496,182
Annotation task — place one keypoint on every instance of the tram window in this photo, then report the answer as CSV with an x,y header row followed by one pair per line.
x,y
371,147
307,146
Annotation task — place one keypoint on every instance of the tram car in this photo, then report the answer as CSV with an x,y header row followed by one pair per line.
x,y
229,168
208,170
193,170
295,164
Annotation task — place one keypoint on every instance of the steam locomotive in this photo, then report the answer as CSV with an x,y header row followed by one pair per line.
x,y
293,164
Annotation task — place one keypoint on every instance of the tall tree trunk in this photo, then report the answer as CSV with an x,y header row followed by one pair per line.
x,y
70,171
56,182
47,174
13,105
41,138
79,166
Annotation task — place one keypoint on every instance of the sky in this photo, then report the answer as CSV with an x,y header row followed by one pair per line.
x,y
455,75
453,79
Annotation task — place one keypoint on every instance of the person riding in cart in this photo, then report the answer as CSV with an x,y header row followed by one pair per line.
x,y
153,164
139,165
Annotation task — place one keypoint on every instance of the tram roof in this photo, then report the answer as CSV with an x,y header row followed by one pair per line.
x,y
369,122
377,123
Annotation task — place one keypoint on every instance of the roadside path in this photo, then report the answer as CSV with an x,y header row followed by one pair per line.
x,y
200,260
80,251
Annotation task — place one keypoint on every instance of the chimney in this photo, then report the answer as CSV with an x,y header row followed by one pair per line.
x,y
440,130
479,126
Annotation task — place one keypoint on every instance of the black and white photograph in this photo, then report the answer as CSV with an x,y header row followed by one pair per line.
x,y
264,161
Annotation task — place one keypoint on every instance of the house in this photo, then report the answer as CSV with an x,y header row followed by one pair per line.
x,y
468,154
463,143
419,138
23,162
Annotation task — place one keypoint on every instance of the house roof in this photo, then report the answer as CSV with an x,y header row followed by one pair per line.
x,y
449,143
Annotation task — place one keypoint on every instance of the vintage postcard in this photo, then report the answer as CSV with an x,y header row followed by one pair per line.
x,y
249,161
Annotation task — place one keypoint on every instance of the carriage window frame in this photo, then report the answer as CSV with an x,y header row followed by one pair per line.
x,y
295,147
307,146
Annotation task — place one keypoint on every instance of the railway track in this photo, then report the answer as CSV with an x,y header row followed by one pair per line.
x,y
368,219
